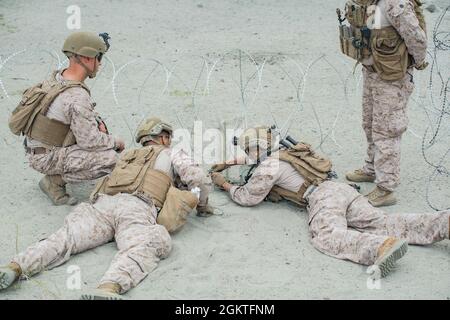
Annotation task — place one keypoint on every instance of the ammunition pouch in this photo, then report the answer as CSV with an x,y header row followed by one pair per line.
x,y
178,205
390,54
355,43
391,59
50,131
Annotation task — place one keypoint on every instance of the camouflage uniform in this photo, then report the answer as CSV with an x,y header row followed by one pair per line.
x,y
269,172
187,175
128,220
333,207
92,156
384,102
343,224
124,218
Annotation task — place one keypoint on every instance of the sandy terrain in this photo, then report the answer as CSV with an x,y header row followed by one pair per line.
x,y
181,60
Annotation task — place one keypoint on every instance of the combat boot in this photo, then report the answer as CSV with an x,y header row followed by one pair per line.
x,y
106,291
389,252
55,188
380,197
359,176
9,274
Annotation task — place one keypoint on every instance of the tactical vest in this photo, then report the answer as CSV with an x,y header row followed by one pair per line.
x,y
390,55
312,167
29,117
134,174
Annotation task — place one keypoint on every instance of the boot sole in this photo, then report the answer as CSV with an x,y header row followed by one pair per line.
x,y
97,296
3,281
384,204
360,180
387,262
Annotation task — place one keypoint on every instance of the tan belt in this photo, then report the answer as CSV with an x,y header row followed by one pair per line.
x,y
144,197
37,150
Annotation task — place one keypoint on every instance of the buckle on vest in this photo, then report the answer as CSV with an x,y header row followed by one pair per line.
x,y
332,175
37,150
309,191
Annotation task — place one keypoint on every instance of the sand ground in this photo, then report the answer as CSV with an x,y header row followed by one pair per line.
x,y
187,60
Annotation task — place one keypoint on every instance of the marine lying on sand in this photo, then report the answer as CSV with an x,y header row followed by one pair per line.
x,y
137,205
342,222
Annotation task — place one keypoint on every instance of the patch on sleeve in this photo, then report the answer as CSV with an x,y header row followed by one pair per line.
x,y
396,7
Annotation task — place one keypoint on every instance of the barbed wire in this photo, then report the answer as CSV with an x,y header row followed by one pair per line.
x,y
439,111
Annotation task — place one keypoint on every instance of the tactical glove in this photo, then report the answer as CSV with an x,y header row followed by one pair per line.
x,y
218,179
422,66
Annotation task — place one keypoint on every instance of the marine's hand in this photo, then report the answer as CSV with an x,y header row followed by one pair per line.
x,y
422,66
218,179
102,127
101,124
119,145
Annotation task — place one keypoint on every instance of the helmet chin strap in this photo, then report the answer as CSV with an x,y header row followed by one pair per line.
x,y
91,74
154,141
261,154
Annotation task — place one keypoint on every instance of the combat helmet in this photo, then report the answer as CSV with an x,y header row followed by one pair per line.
x,y
260,137
151,128
86,44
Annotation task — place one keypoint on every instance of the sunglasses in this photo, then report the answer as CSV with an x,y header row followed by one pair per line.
x,y
99,57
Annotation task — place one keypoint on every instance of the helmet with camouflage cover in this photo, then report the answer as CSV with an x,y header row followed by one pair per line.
x,y
86,44
151,128
256,137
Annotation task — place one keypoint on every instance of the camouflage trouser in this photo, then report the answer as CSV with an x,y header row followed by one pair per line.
x,y
385,119
123,217
75,164
344,225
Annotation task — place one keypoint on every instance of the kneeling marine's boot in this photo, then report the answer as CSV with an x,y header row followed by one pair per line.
x,y
55,188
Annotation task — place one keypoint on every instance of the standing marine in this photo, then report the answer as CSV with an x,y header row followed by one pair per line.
x,y
388,37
